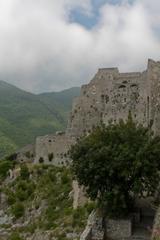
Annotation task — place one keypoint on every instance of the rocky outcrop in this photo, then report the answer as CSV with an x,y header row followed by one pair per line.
x,y
156,226
94,229
79,197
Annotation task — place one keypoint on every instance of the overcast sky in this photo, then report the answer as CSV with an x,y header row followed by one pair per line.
x,y
50,45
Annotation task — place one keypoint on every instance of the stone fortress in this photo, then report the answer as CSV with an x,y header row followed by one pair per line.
x,y
109,96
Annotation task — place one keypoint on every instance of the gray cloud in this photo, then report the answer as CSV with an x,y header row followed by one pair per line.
x,y
41,50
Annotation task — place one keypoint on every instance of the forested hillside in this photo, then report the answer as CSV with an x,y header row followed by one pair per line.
x,y
23,115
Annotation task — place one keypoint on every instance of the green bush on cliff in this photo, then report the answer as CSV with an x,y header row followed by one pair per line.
x,y
78,215
15,236
5,165
117,163
11,199
18,210
24,173
46,194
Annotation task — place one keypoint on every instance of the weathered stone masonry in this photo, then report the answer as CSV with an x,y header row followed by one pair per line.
x,y
111,95
53,149
108,97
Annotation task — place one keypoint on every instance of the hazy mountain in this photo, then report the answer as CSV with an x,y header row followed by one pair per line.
x,y
61,101
23,115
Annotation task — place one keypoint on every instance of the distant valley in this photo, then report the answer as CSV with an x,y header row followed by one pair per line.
x,y
23,115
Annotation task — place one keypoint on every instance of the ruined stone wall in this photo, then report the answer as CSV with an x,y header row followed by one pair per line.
x,y
79,195
111,95
53,149
153,74
26,154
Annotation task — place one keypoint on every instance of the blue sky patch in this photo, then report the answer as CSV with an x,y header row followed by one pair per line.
x,y
78,16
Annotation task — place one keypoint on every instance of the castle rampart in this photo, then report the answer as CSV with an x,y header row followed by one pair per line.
x,y
109,96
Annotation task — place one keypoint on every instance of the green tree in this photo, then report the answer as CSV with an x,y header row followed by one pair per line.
x,y
116,164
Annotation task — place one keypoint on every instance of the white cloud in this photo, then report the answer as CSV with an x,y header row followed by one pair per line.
x,y
40,49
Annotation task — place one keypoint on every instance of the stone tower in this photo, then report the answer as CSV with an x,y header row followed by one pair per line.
x,y
111,95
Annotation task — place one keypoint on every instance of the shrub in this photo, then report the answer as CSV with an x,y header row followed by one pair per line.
x,y
65,178
18,210
90,207
21,195
5,165
24,190
78,216
52,175
12,157
11,198
24,173
15,236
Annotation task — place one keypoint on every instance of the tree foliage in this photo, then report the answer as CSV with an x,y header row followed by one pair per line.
x,y
117,163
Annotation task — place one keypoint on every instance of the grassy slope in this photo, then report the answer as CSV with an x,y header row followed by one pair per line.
x,y
23,116
47,193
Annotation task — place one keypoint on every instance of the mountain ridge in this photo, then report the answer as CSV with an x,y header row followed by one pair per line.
x,y
24,115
